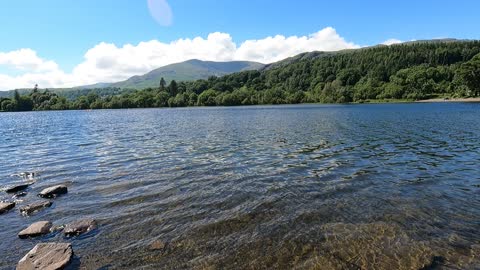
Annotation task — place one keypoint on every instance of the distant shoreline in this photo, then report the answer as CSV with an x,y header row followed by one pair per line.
x,y
439,100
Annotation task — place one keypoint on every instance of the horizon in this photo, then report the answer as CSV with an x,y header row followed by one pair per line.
x,y
139,37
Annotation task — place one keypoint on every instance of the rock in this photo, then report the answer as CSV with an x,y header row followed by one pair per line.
x,y
53,192
19,195
34,207
57,228
36,229
79,227
6,206
27,175
48,256
157,245
17,188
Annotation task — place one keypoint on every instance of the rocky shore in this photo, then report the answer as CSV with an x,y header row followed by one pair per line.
x,y
50,256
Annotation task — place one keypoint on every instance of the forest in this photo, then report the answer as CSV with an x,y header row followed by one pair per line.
x,y
409,71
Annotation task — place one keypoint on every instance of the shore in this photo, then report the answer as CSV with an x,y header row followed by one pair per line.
x,y
477,99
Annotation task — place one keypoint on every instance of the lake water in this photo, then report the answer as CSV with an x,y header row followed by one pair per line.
x,y
388,186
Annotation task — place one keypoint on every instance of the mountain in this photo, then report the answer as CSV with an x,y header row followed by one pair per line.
x,y
190,70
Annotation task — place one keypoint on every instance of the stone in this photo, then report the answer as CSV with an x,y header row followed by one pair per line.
x,y
36,229
53,192
47,256
79,227
17,188
34,207
19,195
6,206
157,245
27,175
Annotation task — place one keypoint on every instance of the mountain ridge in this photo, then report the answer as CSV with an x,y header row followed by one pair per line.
x,y
189,70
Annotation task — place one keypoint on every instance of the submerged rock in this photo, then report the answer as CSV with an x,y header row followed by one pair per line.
x,y
17,188
27,175
53,192
34,207
79,227
49,256
36,229
157,245
6,206
19,195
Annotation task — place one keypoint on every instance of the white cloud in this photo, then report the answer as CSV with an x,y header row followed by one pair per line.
x,y
272,49
106,62
26,59
391,41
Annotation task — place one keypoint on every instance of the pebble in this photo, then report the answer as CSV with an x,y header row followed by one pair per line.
x,y
157,245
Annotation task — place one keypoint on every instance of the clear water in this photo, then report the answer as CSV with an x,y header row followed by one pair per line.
x,y
393,186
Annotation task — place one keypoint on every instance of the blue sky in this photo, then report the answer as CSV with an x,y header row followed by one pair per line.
x,y
61,32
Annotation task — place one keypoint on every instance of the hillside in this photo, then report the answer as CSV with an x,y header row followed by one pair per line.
x,y
186,71
190,70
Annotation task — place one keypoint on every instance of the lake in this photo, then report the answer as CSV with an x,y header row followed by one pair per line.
x,y
384,186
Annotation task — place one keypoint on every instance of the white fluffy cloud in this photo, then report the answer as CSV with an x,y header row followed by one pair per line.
x,y
391,41
106,62
272,49
26,59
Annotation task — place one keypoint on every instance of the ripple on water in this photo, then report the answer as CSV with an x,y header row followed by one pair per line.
x,y
274,187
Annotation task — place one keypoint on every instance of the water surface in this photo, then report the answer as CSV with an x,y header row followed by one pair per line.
x,y
392,186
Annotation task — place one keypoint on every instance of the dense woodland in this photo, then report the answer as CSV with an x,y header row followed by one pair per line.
x,y
406,71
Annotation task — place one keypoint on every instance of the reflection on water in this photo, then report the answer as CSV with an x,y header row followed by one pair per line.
x,y
309,187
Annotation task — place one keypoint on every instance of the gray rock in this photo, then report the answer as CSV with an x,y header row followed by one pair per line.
x,y
17,188
79,227
36,229
6,206
34,207
47,256
53,192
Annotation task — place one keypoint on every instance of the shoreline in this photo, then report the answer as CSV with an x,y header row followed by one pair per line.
x,y
441,100
372,101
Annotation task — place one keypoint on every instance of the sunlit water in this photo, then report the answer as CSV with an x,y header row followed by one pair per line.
x,y
393,186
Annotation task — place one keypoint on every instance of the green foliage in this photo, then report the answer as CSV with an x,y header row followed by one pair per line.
x,y
207,98
469,75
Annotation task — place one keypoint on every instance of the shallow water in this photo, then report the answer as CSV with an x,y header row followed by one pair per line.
x,y
391,186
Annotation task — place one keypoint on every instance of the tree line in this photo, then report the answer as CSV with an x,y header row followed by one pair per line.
x,y
409,71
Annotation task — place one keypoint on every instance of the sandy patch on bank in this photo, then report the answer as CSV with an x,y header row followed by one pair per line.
x,y
451,100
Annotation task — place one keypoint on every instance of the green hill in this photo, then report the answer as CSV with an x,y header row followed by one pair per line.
x,y
190,70
186,71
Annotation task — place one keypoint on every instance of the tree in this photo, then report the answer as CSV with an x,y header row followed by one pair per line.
x,y
207,98
16,96
173,88
163,84
469,74
161,99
